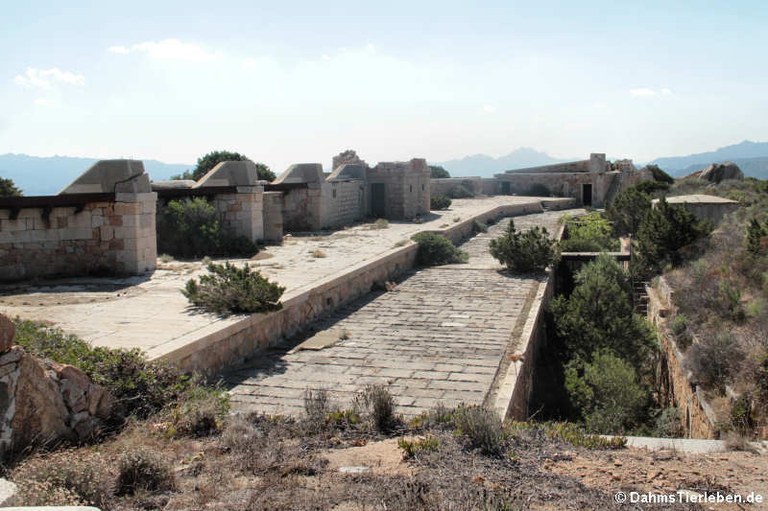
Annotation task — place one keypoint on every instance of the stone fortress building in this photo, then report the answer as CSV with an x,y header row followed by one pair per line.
x,y
104,222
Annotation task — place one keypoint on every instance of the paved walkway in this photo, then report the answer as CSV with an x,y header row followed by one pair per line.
x,y
439,337
151,313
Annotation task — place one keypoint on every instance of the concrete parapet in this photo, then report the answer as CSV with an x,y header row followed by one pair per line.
x,y
231,173
111,176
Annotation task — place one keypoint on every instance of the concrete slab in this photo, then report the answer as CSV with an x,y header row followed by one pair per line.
x,y
438,337
152,314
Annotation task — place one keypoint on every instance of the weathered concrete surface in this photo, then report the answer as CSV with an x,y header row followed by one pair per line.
x,y
439,337
125,312
8,492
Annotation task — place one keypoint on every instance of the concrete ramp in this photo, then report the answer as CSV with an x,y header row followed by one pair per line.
x,y
111,176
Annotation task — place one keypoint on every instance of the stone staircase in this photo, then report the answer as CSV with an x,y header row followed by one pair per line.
x,y
640,297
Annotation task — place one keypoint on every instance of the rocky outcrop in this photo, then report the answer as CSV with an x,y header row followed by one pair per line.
x,y
42,402
717,172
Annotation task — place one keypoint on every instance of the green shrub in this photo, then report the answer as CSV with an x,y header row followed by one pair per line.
x,y
589,233
228,289
577,437
190,228
478,227
435,249
482,427
439,202
140,387
199,412
377,405
438,172
413,448
607,393
317,406
668,424
529,251
659,175
142,469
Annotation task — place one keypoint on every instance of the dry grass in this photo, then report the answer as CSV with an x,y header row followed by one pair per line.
x,y
318,254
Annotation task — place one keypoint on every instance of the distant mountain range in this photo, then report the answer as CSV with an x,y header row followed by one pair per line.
x,y
48,175
486,166
751,157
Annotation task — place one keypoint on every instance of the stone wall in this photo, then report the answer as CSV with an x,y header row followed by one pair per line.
x,y
242,212
343,203
407,186
561,185
674,380
273,216
302,209
107,237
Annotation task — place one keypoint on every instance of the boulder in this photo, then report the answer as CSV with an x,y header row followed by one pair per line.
x,y
7,333
717,172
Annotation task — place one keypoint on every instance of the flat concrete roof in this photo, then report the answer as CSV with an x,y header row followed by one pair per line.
x,y
698,199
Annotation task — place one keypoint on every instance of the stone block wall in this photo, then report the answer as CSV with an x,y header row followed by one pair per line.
x,y
243,212
343,203
273,216
562,185
104,238
407,187
302,209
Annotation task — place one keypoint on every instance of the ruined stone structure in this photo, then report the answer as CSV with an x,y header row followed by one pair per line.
x,y
593,182
704,207
102,223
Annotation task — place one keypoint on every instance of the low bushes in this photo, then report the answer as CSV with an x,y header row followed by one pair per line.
x,y
140,387
529,251
191,228
439,203
435,249
228,289
143,470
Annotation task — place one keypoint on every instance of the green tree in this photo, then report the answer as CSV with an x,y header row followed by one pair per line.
x,y
627,211
438,172
8,188
599,315
756,236
665,230
607,393
589,233
529,251
208,161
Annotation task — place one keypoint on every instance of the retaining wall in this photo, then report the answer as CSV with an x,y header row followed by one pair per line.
x,y
216,348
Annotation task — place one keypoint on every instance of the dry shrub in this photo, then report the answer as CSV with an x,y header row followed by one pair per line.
x,y
65,478
482,428
377,404
142,469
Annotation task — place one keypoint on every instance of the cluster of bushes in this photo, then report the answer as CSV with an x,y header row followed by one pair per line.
x,y
589,233
524,251
191,228
435,250
439,202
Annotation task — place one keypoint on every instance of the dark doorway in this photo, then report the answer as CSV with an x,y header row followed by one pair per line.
x,y
586,195
378,200
506,189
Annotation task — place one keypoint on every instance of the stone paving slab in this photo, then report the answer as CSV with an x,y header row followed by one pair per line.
x,y
151,313
439,337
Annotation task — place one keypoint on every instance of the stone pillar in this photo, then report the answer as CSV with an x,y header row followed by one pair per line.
x,y
135,235
273,216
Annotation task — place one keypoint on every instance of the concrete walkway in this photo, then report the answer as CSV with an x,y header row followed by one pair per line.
x,y
152,314
439,337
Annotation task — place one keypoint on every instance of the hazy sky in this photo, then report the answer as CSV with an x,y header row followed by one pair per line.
x,y
285,81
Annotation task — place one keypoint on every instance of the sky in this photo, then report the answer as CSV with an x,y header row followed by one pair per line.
x,y
290,81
